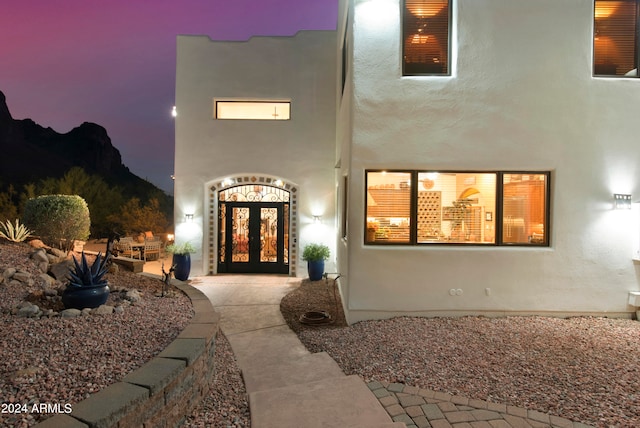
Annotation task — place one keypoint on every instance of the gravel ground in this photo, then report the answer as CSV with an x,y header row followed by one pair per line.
x,y
62,361
584,368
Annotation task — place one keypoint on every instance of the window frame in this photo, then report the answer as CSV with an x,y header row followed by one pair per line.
x,y
403,15
636,59
496,216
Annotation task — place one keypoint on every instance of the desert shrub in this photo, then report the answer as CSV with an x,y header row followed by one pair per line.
x,y
8,208
102,198
58,219
135,218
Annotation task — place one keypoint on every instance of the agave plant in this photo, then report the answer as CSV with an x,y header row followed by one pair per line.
x,y
17,233
89,276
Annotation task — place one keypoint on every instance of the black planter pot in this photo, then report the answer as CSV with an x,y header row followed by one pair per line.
x,y
315,269
85,297
182,262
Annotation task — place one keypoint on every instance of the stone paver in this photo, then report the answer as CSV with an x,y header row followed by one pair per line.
x,y
424,408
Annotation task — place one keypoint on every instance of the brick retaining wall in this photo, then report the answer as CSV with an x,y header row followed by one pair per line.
x,y
162,392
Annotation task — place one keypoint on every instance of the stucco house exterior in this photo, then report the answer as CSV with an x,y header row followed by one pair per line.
x,y
458,156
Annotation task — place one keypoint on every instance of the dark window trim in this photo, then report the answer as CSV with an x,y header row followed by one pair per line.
x,y
498,216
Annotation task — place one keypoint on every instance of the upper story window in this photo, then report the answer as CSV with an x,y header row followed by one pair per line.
x,y
256,110
426,33
615,38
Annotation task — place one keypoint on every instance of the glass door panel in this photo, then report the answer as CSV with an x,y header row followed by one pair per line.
x,y
240,217
268,235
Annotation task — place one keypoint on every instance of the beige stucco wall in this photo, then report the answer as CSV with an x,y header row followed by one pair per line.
x,y
300,151
521,97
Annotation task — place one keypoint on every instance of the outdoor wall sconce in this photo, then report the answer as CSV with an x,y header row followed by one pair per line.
x,y
174,111
621,202
188,218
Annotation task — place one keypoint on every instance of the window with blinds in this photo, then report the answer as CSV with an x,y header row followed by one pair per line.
x,y
449,207
524,213
388,207
615,38
425,32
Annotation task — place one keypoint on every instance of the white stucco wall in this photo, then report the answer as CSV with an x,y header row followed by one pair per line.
x,y
521,97
300,151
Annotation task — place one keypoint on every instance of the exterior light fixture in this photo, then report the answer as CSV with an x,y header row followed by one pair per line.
x,y
188,218
174,111
621,201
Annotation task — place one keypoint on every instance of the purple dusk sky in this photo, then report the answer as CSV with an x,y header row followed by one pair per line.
x,y
65,62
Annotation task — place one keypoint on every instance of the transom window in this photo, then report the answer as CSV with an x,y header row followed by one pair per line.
x,y
426,34
256,110
443,207
615,38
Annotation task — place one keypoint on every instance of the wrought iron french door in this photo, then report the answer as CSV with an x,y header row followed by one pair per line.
x,y
253,237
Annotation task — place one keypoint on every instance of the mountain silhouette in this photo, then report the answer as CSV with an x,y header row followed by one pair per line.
x,y
31,153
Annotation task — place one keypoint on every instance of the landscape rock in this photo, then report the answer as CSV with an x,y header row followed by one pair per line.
x,y
29,311
37,243
40,255
61,255
133,296
44,267
60,271
50,291
8,273
70,313
103,310
48,280
24,277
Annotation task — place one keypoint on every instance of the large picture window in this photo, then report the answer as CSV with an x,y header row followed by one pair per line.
x,y
615,38
445,207
426,34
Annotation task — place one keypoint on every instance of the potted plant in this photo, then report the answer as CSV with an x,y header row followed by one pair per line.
x,y
87,286
315,255
181,259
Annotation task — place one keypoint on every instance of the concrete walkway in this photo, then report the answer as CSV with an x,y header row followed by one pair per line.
x,y
290,387
287,385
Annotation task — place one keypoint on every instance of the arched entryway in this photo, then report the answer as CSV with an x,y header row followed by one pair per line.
x,y
254,232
